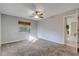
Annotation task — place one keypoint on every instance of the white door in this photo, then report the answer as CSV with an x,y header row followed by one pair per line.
x,y
71,31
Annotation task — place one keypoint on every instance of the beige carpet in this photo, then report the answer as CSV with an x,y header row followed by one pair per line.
x,y
38,48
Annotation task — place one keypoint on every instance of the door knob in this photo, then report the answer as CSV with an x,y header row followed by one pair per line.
x,y
76,34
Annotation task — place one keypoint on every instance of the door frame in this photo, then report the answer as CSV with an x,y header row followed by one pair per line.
x,y
65,22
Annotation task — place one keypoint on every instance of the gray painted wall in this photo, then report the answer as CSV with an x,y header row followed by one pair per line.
x,y
52,29
10,29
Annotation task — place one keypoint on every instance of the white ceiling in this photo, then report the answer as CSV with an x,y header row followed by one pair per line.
x,y
25,10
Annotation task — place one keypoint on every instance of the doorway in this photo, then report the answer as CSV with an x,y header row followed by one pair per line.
x,y
71,34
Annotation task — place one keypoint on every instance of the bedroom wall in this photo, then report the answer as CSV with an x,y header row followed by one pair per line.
x,y
52,28
10,29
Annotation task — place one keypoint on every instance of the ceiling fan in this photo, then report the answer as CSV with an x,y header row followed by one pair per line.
x,y
37,13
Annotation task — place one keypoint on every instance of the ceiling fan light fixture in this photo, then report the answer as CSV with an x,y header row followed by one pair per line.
x,y
36,16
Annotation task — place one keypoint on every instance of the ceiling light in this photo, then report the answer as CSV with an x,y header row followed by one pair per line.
x,y
36,16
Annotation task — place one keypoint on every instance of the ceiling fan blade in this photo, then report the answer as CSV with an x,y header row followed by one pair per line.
x,y
41,16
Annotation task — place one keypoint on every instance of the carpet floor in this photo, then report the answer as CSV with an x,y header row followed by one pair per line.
x,y
38,48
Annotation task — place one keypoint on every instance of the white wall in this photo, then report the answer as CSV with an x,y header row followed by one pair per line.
x,y
33,31
52,29
10,29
